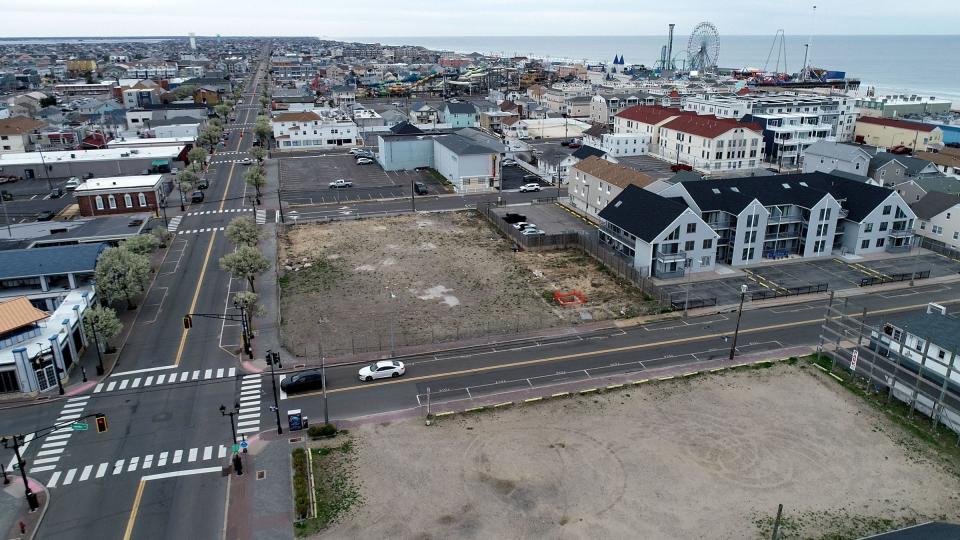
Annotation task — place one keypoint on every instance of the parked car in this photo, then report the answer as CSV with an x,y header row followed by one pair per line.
x,y
8,178
196,197
513,217
56,193
420,188
246,161
523,225
532,231
531,177
203,183
46,215
341,183
680,167
72,183
529,187
383,369
356,151
310,379
508,163
364,161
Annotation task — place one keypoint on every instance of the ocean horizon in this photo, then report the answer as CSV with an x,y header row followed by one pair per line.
x,y
905,64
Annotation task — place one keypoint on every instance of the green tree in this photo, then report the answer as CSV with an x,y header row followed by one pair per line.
x,y
141,244
210,136
48,101
262,130
122,275
243,231
245,263
259,153
183,91
248,300
106,323
163,235
186,179
197,154
256,178
221,110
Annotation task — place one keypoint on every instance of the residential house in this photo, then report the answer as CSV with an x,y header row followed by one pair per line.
x,y
710,144
891,170
343,95
120,195
15,134
914,189
662,237
309,130
603,108
460,114
947,160
827,157
577,107
888,133
939,217
593,182
423,114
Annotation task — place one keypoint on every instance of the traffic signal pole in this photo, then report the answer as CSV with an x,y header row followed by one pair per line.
x,y
274,358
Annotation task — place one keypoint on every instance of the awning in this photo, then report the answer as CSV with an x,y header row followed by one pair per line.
x,y
159,162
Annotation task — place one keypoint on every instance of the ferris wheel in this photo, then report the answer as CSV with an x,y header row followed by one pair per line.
x,y
703,47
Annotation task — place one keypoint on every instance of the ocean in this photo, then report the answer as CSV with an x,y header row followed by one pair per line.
x,y
925,65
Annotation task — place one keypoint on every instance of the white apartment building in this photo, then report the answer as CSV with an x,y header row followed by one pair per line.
x,y
555,97
709,144
939,216
594,182
786,136
309,130
164,70
603,108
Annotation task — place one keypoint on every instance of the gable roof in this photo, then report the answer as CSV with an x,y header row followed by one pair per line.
x,y
899,124
911,164
16,263
467,142
835,150
18,125
708,126
406,128
18,313
933,204
612,173
597,130
642,213
460,107
943,184
586,151
648,114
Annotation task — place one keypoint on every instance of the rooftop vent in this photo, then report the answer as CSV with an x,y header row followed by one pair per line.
x,y
735,189
804,184
617,204
715,191
785,185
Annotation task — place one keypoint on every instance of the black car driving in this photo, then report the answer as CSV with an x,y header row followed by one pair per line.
x,y
311,379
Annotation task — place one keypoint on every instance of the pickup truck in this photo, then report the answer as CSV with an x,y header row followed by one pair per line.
x,y
340,183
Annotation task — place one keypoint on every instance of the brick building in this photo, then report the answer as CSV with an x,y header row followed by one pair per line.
x,y
120,195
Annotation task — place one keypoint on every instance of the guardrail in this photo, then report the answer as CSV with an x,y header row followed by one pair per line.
x,y
893,278
793,291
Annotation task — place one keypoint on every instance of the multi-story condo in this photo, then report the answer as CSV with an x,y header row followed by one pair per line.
x,y
603,108
710,144
594,182
900,105
309,130
786,136
939,216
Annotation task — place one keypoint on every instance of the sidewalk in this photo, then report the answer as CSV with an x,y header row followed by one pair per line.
x,y
14,509
262,508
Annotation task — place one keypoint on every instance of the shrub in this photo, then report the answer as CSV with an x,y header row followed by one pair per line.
x,y
301,484
323,430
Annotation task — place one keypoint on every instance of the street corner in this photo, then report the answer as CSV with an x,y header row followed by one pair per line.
x,y
16,517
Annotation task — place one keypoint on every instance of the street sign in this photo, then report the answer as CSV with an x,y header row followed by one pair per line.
x,y
80,426
244,445
853,360
235,448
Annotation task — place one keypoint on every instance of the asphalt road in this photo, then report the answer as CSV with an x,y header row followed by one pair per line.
x,y
162,401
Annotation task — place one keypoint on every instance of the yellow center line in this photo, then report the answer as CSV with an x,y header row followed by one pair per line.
x,y
133,511
625,348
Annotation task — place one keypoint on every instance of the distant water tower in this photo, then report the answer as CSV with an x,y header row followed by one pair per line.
x,y
193,41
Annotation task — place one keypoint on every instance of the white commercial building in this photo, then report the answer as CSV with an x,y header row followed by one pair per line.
x,y
309,130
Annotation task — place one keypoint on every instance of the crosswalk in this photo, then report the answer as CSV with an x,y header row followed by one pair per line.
x,y
174,224
224,211
261,217
137,463
218,161
249,419
202,230
175,377
55,443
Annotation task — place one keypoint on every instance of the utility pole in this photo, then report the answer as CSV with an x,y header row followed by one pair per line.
x,y
413,199
274,359
46,172
736,332
96,341
323,386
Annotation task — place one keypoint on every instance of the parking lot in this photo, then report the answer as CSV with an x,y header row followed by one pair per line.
x,y
836,273
514,177
550,218
305,180
30,197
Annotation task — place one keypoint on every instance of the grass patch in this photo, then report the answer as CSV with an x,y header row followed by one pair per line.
x,y
322,276
828,525
335,487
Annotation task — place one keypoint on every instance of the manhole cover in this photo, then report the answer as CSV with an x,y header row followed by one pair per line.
x,y
261,475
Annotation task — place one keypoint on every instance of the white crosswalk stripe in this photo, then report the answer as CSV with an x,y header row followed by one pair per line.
x,y
224,211
198,231
176,377
261,217
53,445
174,223
250,390
97,471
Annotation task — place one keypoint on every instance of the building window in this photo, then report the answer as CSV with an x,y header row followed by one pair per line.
x,y
880,242
708,243
691,228
704,261
689,245
127,201
883,226
868,227
99,201
142,199
886,210
112,201
865,244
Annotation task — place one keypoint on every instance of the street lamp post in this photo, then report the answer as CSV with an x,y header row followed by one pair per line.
x,y
245,329
323,386
736,332
225,412
96,341
274,358
32,500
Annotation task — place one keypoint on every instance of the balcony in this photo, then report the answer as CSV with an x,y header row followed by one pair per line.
x,y
900,233
671,257
789,217
720,224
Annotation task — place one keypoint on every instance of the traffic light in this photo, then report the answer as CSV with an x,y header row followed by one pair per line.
x,y
101,423
187,322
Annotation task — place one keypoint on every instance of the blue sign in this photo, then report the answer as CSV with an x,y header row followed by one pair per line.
x,y
244,445
295,420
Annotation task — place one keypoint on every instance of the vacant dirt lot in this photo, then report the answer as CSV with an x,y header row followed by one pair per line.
x,y
709,457
367,284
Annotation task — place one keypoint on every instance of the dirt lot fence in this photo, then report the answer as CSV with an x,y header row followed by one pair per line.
x,y
866,356
589,244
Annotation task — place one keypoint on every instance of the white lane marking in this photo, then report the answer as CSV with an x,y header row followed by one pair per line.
x,y
251,376
219,372
78,399
177,456
45,460
98,388
101,470
184,375
207,453
147,462
193,455
250,410
248,429
136,383
59,436
187,472
207,373
133,463
53,479
67,417
232,372
51,452
247,416
246,423
68,479
86,472
53,444
123,384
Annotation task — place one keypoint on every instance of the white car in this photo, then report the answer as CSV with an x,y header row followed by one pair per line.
x,y
529,187
532,231
364,161
355,151
521,225
246,161
341,183
383,369
72,183
508,163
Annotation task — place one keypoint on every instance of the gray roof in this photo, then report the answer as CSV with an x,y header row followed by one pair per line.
x,y
934,530
586,151
685,176
943,330
943,184
460,107
934,203
463,146
834,150
17,263
642,213
175,121
849,175
912,164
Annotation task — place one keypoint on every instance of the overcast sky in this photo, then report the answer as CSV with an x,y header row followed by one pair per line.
x,y
469,17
